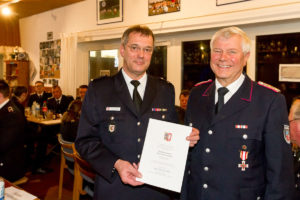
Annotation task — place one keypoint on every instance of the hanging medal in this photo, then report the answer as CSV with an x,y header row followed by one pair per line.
x,y
244,157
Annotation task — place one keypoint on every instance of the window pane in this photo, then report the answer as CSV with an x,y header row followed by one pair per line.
x,y
103,63
158,66
196,58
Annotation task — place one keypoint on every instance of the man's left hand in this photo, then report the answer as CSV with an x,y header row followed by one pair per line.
x,y
193,137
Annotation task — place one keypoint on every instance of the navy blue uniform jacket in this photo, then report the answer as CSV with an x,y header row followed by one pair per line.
x,y
111,129
249,127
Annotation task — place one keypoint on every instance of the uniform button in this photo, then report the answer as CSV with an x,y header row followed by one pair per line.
x,y
190,124
205,186
206,169
139,123
210,132
189,172
163,116
139,139
245,136
258,198
296,185
207,150
112,118
298,175
1,164
138,156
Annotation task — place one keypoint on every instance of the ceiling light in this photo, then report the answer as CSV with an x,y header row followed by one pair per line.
x,y
6,11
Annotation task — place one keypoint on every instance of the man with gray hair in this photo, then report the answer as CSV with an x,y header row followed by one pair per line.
x,y
244,151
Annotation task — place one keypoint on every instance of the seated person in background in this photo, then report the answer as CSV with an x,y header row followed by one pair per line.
x,y
12,151
40,95
19,97
294,118
58,103
70,120
82,91
183,97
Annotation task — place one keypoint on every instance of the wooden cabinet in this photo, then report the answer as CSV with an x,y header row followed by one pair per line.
x,y
17,73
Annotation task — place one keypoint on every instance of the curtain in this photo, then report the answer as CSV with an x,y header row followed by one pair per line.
x,y
68,65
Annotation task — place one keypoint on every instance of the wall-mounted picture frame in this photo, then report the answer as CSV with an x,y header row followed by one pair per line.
x,y
225,2
289,72
109,11
157,7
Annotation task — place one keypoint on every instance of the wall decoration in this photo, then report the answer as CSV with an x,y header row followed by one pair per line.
x,y
224,2
157,7
50,59
109,11
289,72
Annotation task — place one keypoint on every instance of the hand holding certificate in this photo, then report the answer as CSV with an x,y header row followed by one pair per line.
x,y
164,154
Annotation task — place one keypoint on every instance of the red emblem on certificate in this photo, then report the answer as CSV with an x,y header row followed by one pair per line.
x,y
168,136
243,156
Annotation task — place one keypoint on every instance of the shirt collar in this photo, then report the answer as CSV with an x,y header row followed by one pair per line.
x,y
232,87
4,103
141,87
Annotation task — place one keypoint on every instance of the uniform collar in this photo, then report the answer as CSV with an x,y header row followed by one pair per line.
x,y
4,103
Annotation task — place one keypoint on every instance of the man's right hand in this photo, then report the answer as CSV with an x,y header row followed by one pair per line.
x,y
128,172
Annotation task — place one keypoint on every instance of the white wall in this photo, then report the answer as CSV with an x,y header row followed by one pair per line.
x,y
198,19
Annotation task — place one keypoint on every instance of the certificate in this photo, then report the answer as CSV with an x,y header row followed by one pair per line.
x,y
164,154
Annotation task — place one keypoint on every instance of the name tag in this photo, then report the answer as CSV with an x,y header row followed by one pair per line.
x,y
113,109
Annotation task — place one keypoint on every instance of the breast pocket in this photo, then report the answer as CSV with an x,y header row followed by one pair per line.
x,y
112,124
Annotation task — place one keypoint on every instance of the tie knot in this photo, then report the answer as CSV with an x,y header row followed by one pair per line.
x,y
135,83
222,91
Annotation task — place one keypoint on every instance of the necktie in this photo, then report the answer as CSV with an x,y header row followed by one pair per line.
x,y
57,102
137,100
221,93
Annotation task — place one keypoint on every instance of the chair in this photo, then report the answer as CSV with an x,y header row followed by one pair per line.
x,y
66,154
82,171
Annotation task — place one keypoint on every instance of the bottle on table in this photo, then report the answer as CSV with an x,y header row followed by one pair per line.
x,y
44,109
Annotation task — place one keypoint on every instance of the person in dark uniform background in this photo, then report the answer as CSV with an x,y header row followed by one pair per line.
x,y
183,99
82,91
58,103
12,137
40,95
244,151
19,97
115,116
294,118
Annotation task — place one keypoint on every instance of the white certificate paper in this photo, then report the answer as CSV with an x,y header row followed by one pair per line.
x,y
164,154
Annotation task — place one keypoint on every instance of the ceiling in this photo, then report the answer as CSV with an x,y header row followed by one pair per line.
x,y
25,8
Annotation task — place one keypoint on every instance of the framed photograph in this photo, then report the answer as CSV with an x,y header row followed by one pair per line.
x,y
109,11
157,7
225,2
289,72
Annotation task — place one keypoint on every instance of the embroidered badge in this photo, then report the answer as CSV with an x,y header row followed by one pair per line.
x,y
111,128
159,109
244,157
10,109
286,133
239,126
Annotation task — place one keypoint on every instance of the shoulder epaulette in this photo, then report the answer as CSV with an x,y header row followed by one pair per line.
x,y
203,82
268,86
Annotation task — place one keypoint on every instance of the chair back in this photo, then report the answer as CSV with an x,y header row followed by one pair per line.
x,y
66,154
66,148
82,171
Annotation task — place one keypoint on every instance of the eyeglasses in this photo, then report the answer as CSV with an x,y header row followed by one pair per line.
x,y
136,48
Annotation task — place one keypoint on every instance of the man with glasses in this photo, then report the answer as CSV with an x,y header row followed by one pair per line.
x,y
115,116
40,95
294,118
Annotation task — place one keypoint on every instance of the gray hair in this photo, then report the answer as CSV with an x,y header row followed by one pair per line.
x,y
230,32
